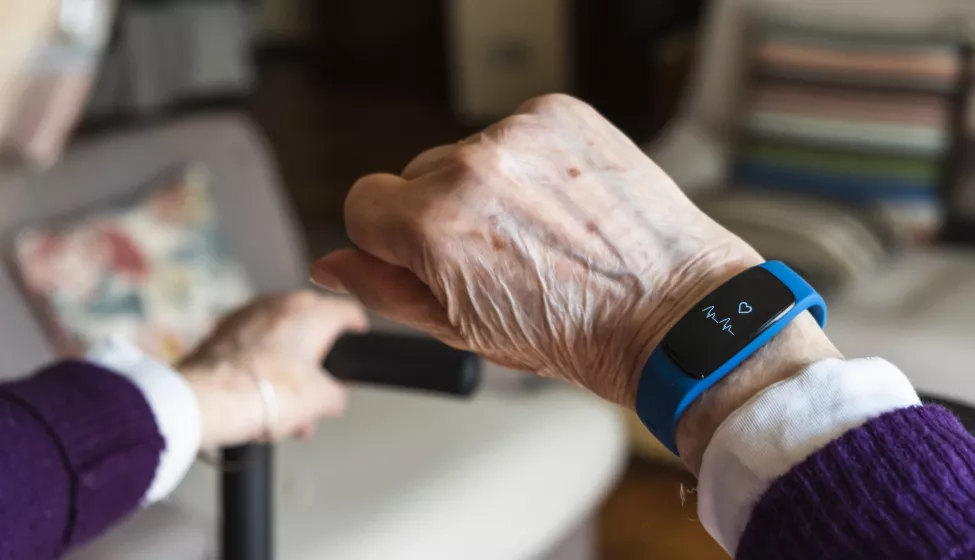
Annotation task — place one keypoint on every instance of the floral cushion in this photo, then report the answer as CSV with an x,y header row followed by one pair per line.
x,y
156,271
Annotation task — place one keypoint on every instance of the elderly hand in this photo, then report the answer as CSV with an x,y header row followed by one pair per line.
x,y
283,338
550,243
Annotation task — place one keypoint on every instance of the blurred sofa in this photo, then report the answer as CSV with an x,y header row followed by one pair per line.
x,y
517,472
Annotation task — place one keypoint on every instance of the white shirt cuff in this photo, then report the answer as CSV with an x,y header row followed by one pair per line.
x,y
784,424
173,405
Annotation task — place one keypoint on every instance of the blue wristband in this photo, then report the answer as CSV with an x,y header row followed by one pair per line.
x,y
665,390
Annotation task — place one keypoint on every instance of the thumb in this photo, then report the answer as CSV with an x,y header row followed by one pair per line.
x,y
391,291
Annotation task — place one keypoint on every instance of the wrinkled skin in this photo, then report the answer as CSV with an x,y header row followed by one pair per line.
x,y
283,338
549,242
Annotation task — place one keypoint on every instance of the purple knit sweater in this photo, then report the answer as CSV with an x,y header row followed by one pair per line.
x,y
900,486
80,448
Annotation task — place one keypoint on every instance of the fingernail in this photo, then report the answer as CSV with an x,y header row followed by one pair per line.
x,y
325,280
329,283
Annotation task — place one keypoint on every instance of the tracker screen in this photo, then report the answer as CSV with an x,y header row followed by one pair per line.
x,y
725,321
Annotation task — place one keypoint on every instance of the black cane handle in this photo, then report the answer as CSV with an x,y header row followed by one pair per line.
x,y
407,362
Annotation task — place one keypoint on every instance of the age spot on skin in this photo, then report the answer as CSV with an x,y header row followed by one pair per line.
x,y
574,172
497,243
591,227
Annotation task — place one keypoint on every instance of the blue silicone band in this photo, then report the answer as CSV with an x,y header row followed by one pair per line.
x,y
665,391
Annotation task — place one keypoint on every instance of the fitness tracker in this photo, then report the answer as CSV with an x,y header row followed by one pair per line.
x,y
716,335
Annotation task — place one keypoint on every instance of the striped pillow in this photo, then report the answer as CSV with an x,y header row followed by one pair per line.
x,y
863,120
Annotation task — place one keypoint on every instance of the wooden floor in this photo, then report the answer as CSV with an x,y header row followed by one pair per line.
x,y
645,518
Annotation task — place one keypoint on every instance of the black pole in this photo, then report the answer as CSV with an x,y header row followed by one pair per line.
x,y
247,494
247,532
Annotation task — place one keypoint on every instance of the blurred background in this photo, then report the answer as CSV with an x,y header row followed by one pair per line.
x,y
835,136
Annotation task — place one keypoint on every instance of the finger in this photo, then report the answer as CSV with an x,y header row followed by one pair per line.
x,y
376,218
552,105
306,432
391,291
427,161
333,396
335,316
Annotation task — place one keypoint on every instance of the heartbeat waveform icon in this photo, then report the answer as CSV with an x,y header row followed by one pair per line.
x,y
725,323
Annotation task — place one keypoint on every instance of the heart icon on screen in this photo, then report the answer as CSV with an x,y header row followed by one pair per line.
x,y
744,308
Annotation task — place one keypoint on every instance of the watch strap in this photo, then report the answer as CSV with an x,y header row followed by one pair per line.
x,y
665,391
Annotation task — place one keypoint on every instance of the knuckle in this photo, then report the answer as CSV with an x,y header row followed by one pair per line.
x,y
426,160
301,299
362,189
262,301
470,185
466,155
479,158
552,103
511,130
303,296
516,123
470,162
346,308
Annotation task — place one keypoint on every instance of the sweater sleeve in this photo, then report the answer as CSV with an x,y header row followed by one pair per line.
x,y
782,426
173,404
900,486
80,449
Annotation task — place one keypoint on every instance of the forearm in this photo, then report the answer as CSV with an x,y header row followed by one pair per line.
x,y
87,443
122,429
809,454
549,242
799,345
81,450
757,430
